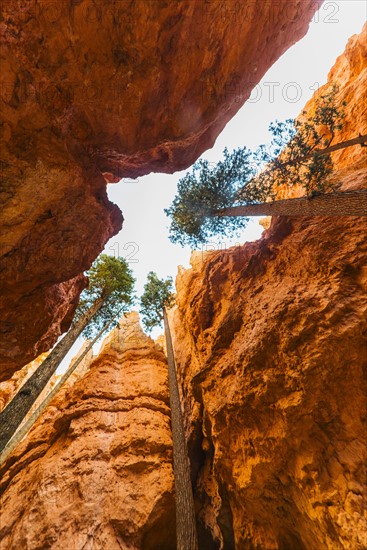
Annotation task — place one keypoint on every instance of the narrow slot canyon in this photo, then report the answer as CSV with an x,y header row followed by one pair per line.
x,y
269,335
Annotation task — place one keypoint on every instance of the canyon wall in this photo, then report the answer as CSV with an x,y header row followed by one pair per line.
x,y
95,471
270,343
98,91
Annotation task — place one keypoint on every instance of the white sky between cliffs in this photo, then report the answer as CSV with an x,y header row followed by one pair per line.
x,y
281,94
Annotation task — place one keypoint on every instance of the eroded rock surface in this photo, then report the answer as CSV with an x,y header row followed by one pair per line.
x,y
96,468
270,342
96,91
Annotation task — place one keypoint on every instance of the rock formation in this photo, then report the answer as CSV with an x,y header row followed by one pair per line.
x,y
270,337
270,341
96,468
97,91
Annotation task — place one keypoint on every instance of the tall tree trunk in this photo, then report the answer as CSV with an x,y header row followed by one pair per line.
x,y
185,512
350,203
42,406
359,140
13,414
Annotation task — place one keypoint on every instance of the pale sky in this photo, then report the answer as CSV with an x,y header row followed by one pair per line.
x,y
281,94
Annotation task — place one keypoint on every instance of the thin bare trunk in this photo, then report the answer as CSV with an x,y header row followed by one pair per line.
x,y
185,511
350,203
360,140
14,413
18,436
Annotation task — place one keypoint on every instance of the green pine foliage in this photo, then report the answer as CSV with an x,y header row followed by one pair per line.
x,y
158,294
109,278
250,177
289,160
205,190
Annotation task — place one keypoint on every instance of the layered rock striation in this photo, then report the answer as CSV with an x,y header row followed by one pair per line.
x,y
96,468
94,92
270,342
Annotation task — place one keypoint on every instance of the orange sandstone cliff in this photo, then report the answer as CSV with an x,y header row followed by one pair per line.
x,y
271,349
270,342
98,91
95,471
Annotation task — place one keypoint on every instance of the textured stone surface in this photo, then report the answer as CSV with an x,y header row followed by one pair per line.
x,y
95,91
270,341
95,470
271,346
33,323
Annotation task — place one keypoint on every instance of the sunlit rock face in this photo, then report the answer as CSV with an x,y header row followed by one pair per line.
x,y
97,91
96,468
270,342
